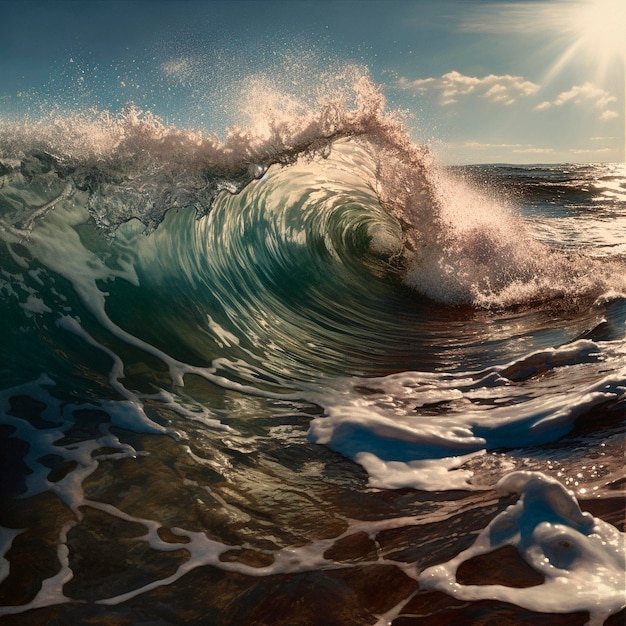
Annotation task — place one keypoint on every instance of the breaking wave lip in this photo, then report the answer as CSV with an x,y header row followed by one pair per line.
x,y
458,247
135,167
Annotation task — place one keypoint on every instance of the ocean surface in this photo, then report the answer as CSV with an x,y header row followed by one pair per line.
x,y
302,374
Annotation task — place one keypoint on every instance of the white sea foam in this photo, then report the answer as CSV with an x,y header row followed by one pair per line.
x,y
581,557
389,433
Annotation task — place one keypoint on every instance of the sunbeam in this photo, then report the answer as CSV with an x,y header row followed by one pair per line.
x,y
597,30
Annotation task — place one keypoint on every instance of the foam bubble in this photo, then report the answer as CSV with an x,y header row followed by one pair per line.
x,y
581,557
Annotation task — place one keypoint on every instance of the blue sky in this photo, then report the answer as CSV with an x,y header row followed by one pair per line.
x,y
531,81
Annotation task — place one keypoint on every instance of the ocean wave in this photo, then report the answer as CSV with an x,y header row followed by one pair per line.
x,y
226,347
457,246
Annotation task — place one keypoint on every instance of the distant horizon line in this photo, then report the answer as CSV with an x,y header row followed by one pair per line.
x,y
534,164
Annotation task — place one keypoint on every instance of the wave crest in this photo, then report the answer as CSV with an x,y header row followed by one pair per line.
x,y
134,166
458,246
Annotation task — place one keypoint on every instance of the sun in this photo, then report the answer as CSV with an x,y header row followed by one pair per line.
x,y
599,27
595,33
592,30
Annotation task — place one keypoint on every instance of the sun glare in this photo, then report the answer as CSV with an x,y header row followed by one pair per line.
x,y
593,30
596,30
600,27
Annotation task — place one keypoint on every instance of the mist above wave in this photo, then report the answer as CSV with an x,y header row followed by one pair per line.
x,y
133,165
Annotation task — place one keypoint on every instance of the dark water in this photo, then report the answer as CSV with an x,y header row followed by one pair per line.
x,y
288,379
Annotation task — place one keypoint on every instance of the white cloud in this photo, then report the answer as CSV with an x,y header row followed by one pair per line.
x,y
504,89
533,150
589,150
609,115
587,93
477,145
517,148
